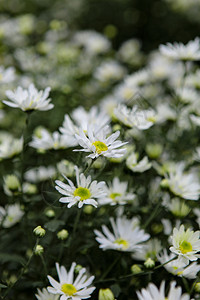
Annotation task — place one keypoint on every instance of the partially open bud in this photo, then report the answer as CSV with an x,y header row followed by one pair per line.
x,y
39,250
106,294
62,234
39,231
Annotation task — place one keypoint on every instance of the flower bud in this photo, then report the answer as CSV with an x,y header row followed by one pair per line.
x,y
50,213
106,294
39,250
63,234
149,263
135,269
11,184
39,231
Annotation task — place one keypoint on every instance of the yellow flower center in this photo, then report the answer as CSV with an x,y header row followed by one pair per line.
x,y
122,242
185,247
68,289
113,196
100,147
83,193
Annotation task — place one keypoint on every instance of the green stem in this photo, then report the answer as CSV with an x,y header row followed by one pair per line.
x,y
110,268
44,264
152,216
23,270
76,222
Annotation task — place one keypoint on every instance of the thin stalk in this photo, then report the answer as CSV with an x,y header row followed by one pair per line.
x,y
23,270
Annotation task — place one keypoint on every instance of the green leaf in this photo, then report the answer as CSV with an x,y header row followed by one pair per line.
x,y
3,286
5,257
53,225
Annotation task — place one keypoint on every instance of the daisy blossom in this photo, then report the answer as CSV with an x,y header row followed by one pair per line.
x,y
182,184
178,266
190,51
29,99
117,193
98,143
153,293
45,295
67,287
185,243
141,119
84,193
126,236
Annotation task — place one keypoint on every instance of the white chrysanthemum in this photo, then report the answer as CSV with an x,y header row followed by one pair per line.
x,y
45,295
10,215
109,71
83,119
178,266
135,166
84,193
126,236
141,119
117,193
98,143
70,288
187,95
40,173
29,99
190,51
149,250
195,119
153,293
184,185
46,141
7,75
164,112
185,243
9,146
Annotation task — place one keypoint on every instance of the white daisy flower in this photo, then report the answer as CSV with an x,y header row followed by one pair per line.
x,y
7,75
153,293
190,51
67,287
117,193
141,119
178,266
11,215
84,193
10,146
135,166
149,250
98,143
93,42
109,71
83,119
185,243
46,141
184,185
126,236
40,173
29,99
45,295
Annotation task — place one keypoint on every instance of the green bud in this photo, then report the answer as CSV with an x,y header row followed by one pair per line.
x,y
63,234
164,183
154,150
149,263
197,287
135,269
38,250
88,209
39,231
106,294
50,213
12,182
